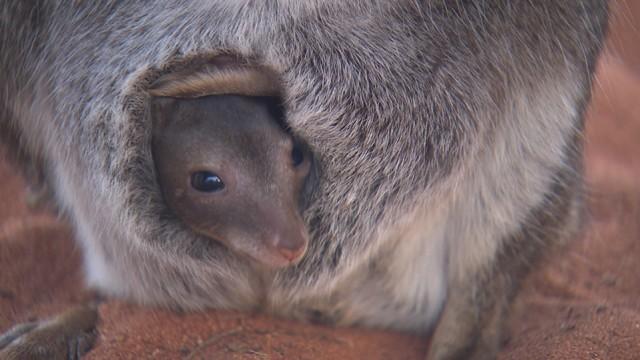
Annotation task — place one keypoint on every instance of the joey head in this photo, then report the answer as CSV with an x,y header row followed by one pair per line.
x,y
229,171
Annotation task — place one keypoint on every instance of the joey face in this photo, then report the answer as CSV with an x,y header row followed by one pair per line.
x,y
230,172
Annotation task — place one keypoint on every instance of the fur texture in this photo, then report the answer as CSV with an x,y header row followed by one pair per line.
x,y
444,134
217,79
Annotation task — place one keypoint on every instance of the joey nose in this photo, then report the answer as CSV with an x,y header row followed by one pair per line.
x,y
290,253
290,248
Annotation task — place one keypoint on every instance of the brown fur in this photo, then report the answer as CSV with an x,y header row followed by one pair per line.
x,y
226,75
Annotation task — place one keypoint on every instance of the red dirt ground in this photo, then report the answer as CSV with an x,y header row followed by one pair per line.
x,y
582,304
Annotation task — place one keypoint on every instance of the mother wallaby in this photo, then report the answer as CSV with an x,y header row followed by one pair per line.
x,y
446,138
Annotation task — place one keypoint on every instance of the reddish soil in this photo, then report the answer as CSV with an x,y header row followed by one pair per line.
x,y
583,303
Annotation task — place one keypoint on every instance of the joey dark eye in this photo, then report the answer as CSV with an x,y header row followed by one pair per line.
x,y
297,155
206,181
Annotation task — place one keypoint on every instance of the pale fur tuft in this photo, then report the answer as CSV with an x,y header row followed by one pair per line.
x,y
216,80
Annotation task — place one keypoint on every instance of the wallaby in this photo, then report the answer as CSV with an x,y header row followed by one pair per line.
x,y
446,139
231,173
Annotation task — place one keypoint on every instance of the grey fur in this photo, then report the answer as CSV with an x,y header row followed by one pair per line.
x,y
442,131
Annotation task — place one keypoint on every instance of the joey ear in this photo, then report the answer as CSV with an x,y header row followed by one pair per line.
x,y
217,79
161,109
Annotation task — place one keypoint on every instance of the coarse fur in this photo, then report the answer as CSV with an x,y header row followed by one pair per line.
x,y
446,136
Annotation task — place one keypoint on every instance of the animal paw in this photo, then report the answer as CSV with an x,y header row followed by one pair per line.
x,y
69,335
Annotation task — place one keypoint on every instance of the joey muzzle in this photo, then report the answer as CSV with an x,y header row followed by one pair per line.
x,y
287,245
